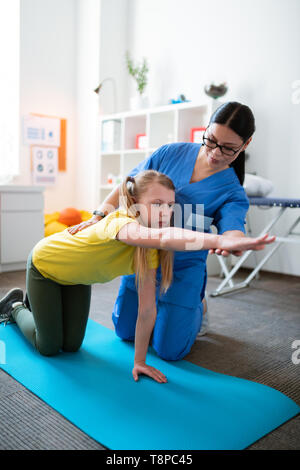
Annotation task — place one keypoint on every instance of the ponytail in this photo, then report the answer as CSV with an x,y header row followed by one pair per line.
x,y
239,167
127,193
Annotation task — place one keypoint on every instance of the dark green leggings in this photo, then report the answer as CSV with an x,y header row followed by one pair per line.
x,y
57,316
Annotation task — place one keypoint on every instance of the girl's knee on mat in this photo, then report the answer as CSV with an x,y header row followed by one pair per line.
x,y
71,346
48,351
55,350
50,348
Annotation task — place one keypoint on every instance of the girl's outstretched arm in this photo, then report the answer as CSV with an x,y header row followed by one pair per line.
x,y
179,239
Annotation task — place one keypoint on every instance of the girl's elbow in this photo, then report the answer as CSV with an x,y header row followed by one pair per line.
x,y
147,314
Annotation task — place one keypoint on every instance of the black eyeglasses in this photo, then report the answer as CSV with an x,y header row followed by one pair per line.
x,y
229,152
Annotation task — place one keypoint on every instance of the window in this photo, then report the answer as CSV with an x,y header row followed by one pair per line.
x,y
9,89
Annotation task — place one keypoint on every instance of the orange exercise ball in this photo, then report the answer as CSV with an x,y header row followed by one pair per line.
x,y
70,216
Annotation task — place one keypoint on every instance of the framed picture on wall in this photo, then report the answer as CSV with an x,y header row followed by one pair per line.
x,y
197,134
44,165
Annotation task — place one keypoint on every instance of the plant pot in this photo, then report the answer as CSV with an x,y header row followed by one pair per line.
x,y
139,102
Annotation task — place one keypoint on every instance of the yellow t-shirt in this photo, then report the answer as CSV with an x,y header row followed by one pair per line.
x,y
90,256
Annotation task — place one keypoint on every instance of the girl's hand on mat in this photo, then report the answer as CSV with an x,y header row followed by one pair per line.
x,y
77,228
233,244
142,368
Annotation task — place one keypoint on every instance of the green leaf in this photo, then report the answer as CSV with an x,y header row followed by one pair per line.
x,y
138,72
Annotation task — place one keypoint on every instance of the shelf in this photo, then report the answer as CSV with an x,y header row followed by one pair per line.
x,y
205,104
108,186
130,161
135,151
108,154
187,119
162,128
162,125
128,151
109,166
133,125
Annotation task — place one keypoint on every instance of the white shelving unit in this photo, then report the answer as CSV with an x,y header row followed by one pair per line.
x,y
162,125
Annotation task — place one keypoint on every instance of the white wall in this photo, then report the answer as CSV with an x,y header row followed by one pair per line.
x,y
114,41
102,40
61,65
9,89
254,46
87,78
48,83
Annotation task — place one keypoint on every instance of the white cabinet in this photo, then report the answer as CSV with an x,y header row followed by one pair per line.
x,y
21,224
162,125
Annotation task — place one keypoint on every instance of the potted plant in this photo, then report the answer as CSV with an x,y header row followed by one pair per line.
x,y
139,73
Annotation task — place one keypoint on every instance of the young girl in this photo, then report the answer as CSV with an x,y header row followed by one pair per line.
x,y
136,238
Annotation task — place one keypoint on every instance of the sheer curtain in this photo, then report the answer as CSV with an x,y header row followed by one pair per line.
x,y
9,89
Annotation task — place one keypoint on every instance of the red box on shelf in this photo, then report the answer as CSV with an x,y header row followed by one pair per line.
x,y
197,134
141,141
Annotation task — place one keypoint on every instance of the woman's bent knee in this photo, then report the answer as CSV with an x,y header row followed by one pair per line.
x,y
171,356
168,353
125,313
125,336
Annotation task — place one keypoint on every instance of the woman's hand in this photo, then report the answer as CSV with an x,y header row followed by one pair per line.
x,y
77,228
224,252
233,244
142,368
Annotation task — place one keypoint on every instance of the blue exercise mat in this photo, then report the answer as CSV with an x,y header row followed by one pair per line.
x,y
95,390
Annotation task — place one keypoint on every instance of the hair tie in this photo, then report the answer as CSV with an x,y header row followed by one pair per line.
x,y
131,182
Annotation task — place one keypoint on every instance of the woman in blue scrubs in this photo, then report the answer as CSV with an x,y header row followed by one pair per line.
x,y
208,179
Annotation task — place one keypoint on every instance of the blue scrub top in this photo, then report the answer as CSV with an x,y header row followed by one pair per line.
x,y
218,200
224,200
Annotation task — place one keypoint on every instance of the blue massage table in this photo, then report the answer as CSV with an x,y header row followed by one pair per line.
x,y
283,204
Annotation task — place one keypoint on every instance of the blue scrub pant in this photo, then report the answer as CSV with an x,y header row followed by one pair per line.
x,y
178,318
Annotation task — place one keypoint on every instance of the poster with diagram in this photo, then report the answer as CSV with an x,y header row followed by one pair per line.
x,y
39,130
45,163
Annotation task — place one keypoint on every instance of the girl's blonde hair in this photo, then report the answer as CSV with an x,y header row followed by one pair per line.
x,y
129,197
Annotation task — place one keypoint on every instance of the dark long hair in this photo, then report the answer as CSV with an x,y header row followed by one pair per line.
x,y
239,118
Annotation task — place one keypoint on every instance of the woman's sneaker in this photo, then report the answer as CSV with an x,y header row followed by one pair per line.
x,y
14,295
